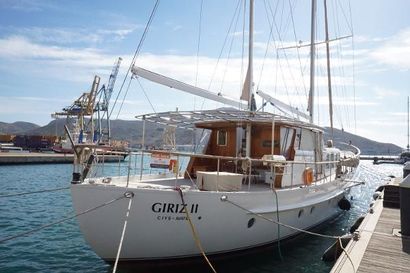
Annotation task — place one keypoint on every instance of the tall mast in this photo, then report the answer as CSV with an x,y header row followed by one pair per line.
x,y
312,61
329,79
250,74
250,56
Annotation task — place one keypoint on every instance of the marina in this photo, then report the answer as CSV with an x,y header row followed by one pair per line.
x,y
241,136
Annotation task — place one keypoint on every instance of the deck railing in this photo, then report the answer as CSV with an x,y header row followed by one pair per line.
x,y
322,170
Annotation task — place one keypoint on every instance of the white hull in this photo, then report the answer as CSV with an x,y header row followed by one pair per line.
x,y
157,228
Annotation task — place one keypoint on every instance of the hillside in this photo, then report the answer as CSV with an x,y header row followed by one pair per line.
x,y
131,130
19,127
367,146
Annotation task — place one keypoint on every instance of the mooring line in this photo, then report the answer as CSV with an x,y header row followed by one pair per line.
x,y
224,198
60,221
278,220
32,192
129,195
194,233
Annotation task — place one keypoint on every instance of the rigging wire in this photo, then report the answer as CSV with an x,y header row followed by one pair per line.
x,y
125,95
198,46
144,34
61,220
222,49
268,7
32,192
241,79
354,69
230,50
297,48
270,36
145,94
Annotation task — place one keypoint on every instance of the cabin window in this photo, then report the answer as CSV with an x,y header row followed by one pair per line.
x,y
221,137
286,136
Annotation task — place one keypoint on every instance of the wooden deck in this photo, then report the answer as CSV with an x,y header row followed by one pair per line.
x,y
379,248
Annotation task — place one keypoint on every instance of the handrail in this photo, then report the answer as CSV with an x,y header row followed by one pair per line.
x,y
234,158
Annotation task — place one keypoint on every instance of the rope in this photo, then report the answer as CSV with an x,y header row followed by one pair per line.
x,y
278,220
136,52
194,233
32,192
347,254
224,198
125,95
60,221
129,195
146,96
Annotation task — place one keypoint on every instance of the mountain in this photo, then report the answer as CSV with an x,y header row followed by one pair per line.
x,y
367,146
131,130
19,127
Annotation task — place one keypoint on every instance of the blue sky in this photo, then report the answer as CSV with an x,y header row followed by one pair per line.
x,y
51,50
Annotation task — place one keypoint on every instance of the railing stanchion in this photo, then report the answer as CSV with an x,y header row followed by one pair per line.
x,y
142,148
217,174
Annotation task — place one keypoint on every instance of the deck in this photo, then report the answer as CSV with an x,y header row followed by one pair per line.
x,y
379,248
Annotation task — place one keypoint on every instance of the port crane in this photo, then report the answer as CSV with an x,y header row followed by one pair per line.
x,y
96,101
102,105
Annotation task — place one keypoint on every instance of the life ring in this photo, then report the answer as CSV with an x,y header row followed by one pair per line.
x,y
308,176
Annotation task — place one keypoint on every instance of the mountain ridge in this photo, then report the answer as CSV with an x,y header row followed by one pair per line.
x,y
131,130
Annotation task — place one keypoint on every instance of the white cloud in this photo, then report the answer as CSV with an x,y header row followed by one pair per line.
x,y
26,5
395,51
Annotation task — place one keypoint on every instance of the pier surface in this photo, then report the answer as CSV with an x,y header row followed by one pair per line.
x,y
379,248
11,158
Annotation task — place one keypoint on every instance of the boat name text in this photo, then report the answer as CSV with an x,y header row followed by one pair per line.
x,y
173,208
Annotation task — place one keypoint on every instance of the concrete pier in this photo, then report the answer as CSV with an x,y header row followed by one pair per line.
x,y
11,158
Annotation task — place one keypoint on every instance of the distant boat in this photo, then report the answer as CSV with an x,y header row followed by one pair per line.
x,y
255,164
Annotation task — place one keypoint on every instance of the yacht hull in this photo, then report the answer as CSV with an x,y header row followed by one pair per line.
x,y
158,228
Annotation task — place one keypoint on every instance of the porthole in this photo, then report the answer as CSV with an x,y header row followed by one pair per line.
x,y
300,213
312,209
251,222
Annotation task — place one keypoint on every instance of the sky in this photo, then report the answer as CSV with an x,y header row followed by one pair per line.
x,y
51,50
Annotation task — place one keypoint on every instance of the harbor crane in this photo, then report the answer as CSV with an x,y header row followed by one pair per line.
x,y
102,105
89,103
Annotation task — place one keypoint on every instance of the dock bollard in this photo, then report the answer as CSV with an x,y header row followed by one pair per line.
x,y
405,213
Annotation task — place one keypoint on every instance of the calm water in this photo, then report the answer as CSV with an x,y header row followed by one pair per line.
x,y
61,248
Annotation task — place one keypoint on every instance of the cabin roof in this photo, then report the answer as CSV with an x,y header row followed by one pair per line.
x,y
209,119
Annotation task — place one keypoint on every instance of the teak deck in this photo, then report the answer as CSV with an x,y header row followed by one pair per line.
x,y
378,249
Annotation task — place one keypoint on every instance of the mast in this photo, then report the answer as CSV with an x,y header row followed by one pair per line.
x,y
250,74
312,61
408,123
329,79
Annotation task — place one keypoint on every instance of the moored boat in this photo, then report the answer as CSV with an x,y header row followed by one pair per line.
x,y
260,178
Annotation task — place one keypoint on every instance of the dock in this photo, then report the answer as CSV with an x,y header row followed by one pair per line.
x,y
382,159
379,246
12,158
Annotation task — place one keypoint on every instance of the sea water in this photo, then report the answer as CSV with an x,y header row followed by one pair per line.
x,y
61,247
